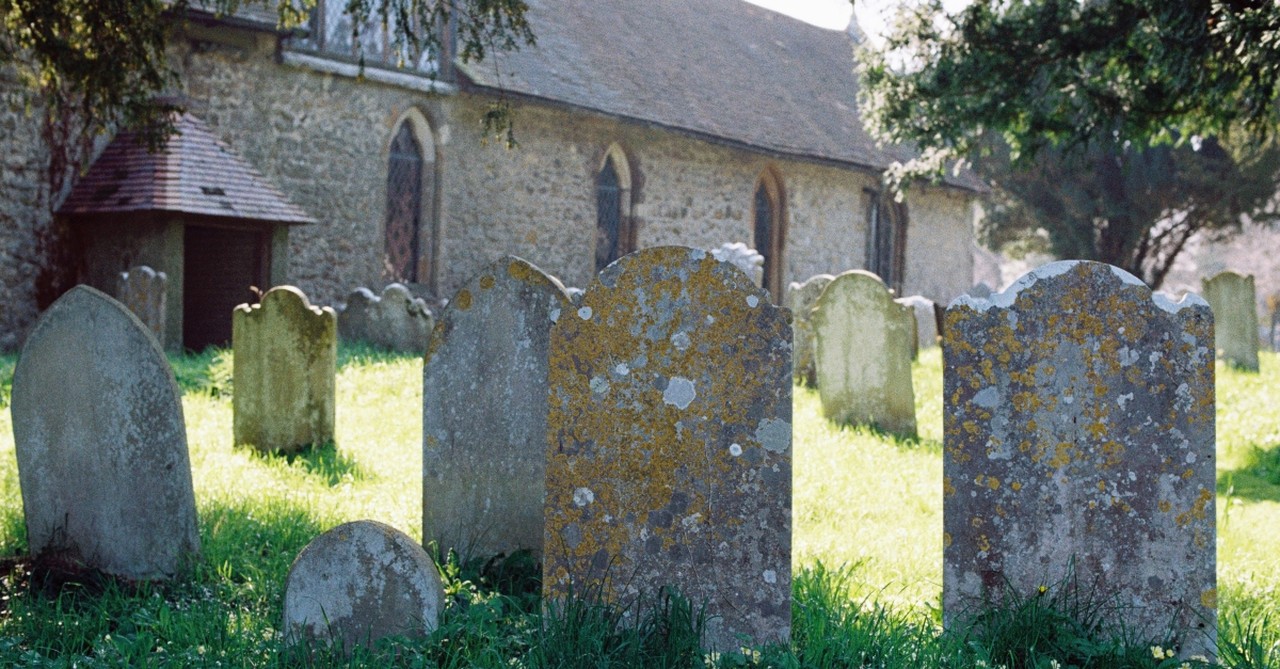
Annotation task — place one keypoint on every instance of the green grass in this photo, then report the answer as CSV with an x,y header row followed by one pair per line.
x,y
867,553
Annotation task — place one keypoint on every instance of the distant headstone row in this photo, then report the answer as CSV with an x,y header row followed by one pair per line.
x,y
396,320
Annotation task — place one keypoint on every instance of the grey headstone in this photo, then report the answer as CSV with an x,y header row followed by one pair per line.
x,y
484,412
669,443
142,291
863,354
358,583
1079,435
101,443
1235,315
396,320
286,356
800,299
981,290
925,312
744,258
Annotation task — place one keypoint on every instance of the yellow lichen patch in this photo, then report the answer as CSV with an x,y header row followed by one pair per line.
x,y
486,282
984,544
1186,476
1197,510
1062,455
977,521
993,483
946,540
1209,598
1016,486
1164,506
461,300
947,488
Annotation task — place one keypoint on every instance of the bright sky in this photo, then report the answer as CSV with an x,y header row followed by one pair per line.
x,y
834,14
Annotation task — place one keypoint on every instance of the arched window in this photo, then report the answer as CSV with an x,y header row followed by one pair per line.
x,y
770,230
405,241
886,239
615,236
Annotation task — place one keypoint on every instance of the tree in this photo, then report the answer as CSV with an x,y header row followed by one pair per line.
x,y
1133,207
1071,72
95,65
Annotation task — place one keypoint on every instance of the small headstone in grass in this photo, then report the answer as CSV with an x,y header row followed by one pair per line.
x,y
669,444
358,583
395,321
1079,447
1235,316
484,412
863,354
101,443
142,290
800,299
286,354
926,317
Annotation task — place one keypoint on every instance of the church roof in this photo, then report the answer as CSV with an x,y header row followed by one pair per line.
x,y
725,70
195,173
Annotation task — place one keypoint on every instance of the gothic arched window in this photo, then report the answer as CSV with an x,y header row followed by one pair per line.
x,y
614,234
404,238
770,230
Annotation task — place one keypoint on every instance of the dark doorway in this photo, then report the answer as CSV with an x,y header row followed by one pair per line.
x,y
219,267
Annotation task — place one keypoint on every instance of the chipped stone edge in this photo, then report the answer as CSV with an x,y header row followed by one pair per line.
x,y
1005,298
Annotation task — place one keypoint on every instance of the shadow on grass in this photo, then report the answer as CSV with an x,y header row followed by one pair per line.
x,y
323,462
1258,479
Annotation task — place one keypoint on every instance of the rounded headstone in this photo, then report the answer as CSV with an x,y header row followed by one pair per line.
x,y
358,583
101,442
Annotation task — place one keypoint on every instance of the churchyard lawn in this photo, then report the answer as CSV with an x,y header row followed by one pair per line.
x,y
867,546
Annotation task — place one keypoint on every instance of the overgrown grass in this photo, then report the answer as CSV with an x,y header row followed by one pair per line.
x,y
867,545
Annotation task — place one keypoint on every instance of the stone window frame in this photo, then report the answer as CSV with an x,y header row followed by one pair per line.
x,y
886,247
429,213
626,195
770,184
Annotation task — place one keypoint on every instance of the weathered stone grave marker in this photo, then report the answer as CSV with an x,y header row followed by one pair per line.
x,y
484,411
1079,434
863,354
142,291
800,299
396,320
101,443
744,258
925,312
1235,316
669,443
358,583
286,354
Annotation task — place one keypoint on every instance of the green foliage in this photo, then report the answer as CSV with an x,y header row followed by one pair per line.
x,y
1065,72
1133,207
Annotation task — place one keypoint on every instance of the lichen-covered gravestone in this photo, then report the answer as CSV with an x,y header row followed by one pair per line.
x,y
101,443
926,317
800,299
1235,315
286,354
669,454
142,290
863,354
1079,447
484,412
358,583
396,320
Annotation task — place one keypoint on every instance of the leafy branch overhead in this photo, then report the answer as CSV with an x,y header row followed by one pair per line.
x,y
99,64
1069,72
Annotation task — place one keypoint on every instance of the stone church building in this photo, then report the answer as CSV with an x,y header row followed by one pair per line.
x,y
638,122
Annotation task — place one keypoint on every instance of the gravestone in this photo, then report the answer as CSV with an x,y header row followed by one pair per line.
x,y
286,354
358,583
101,443
744,258
1079,444
863,354
142,291
1235,318
981,290
669,444
926,317
800,299
484,412
396,320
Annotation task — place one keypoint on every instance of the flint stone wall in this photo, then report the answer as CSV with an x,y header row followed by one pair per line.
x,y
358,583
142,290
286,356
863,354
1235,315
800,299
101,443
1079,444
394,320
484,412
669,443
